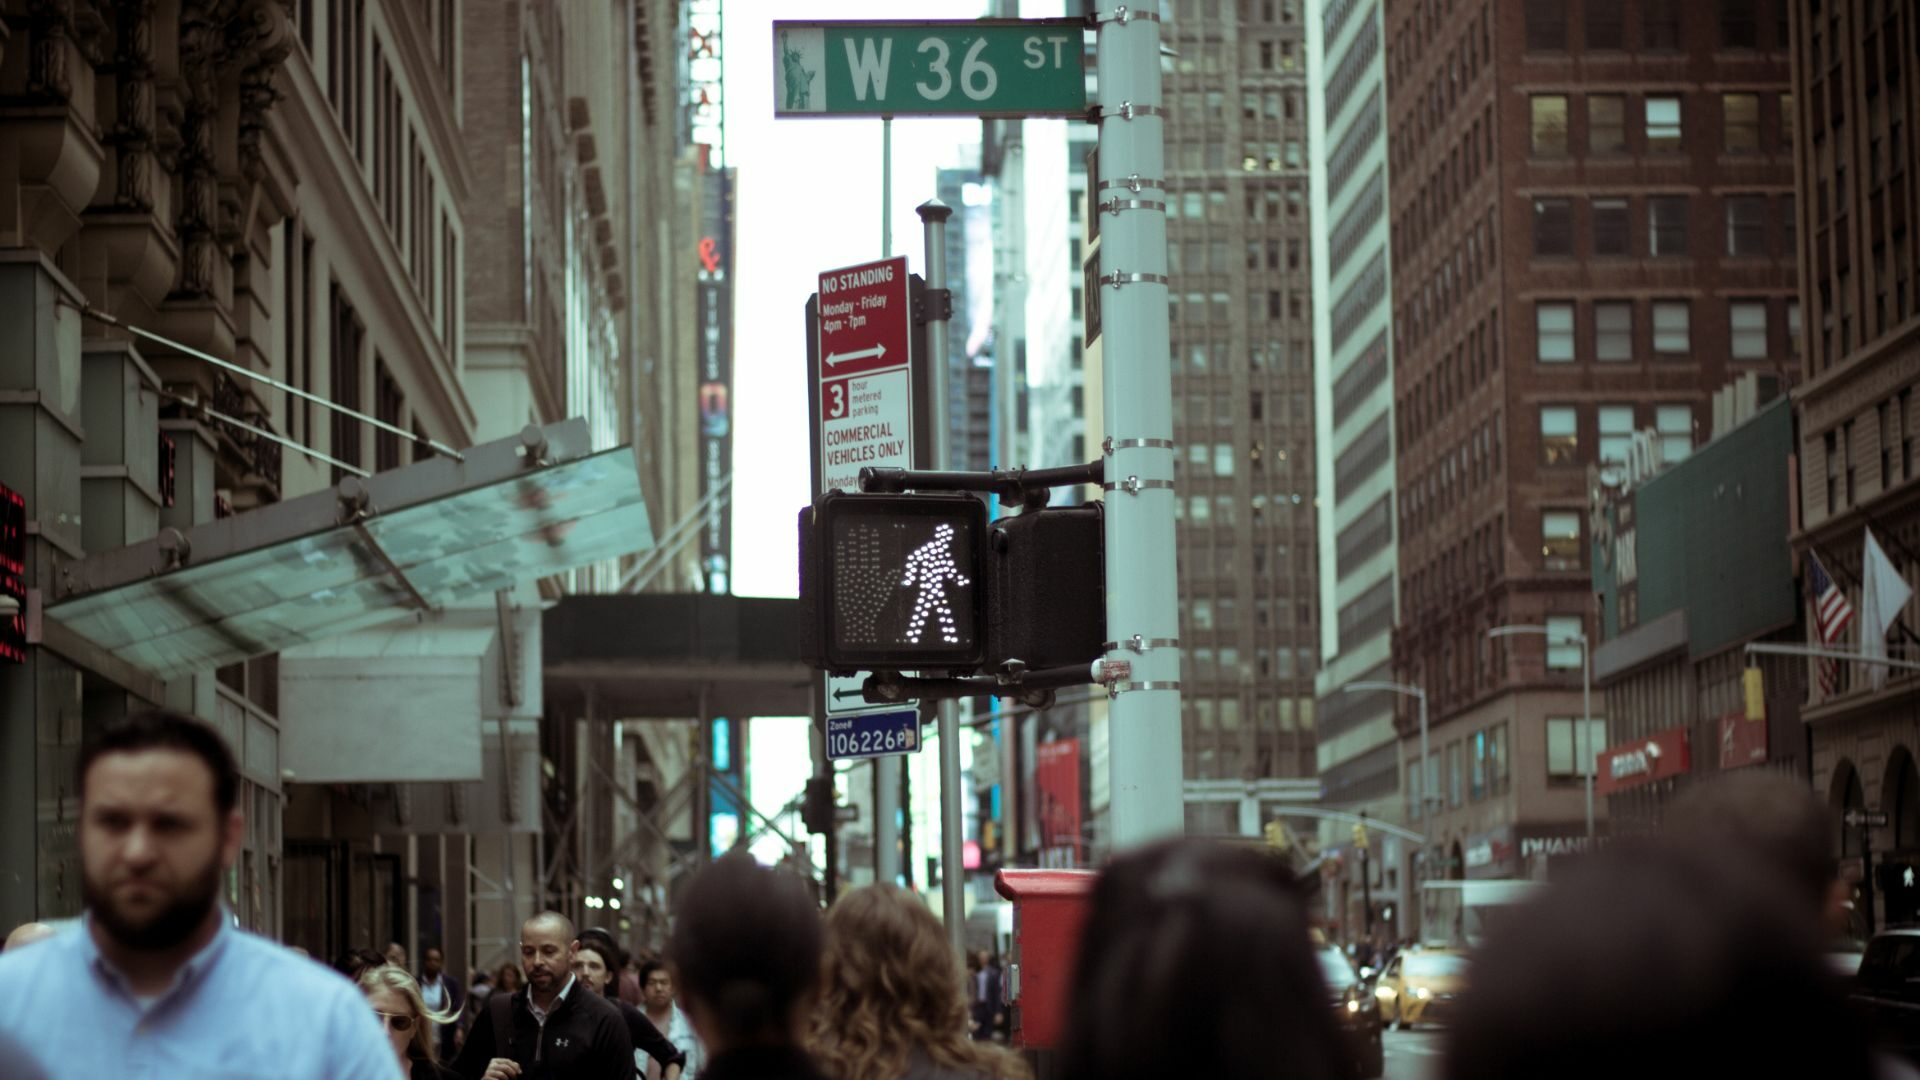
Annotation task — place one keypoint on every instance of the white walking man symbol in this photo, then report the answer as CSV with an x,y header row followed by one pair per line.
x,y
930,567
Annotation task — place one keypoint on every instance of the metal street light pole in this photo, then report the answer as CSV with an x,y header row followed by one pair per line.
x,y
1578,637
1405,690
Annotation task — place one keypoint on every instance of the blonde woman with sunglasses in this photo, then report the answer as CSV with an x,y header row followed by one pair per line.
x,y
396,1001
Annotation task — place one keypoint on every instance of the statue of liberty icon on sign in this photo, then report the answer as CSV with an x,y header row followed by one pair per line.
x,y
931,566
796,76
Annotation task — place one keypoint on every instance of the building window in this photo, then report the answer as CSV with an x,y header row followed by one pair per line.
x,y
1606,124
1667,225
1660,25
1559,435
1793,325
1889,445
1563,642
1546,26
1786,107
1606,25
1674,424
1552,227
1747,321
1560,540
1610,230
1846,461
1549,125
1672,328
1567,752
1746,225
1663,125
1741,133
1739,24
1901,405
1455,776
1223,459
1616,433
1833,471
1553,324
1613,330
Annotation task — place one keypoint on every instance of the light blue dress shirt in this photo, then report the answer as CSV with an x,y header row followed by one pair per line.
x,y
242,1007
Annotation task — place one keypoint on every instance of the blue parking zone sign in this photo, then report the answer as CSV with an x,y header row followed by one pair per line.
x,y
874,734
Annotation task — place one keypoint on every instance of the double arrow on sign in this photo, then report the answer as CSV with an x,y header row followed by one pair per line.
x,y
878,352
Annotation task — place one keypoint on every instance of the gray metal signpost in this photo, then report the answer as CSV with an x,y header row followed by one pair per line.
x,y
1143,615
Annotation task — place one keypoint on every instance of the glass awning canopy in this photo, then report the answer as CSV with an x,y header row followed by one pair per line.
x,y
363,553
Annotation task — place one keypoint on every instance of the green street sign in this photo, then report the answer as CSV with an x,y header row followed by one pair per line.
x,y
985,67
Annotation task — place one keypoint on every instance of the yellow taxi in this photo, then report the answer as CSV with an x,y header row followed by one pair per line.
x,y
1421,985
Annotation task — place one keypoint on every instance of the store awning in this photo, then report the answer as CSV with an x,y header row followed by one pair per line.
x,y
413,539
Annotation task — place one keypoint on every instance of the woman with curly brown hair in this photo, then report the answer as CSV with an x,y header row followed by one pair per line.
x,y
893,1005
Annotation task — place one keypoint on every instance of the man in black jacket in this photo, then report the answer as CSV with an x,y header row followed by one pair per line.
x,y
554,1028
646,1037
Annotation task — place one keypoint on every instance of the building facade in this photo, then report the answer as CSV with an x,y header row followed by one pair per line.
x,y
1853,109
1590,232
1357,744
416,211
1237,241
1691,565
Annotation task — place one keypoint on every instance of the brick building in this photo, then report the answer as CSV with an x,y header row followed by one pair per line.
x,y
1592,230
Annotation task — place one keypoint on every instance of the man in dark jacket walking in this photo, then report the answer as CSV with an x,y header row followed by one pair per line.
x,y
442,993
554,1027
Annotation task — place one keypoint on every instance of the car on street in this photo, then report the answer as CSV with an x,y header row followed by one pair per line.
x,y
1355,1010
1887,989
1421,986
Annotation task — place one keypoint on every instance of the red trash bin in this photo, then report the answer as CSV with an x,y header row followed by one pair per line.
x,y
1049,908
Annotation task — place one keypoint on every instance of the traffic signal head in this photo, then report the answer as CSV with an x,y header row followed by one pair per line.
x,y
892,582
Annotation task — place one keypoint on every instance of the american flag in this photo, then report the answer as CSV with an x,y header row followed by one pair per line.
x,y
1832,612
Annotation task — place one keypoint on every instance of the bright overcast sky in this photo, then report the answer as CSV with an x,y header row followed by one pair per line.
x,y
808,200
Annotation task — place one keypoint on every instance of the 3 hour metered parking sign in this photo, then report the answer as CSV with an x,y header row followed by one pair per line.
x,y
866,388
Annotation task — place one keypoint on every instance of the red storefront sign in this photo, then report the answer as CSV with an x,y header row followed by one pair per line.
x,y
1656,757
1742,741
1056,778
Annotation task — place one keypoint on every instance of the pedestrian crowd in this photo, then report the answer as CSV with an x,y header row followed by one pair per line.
x,y
1698,951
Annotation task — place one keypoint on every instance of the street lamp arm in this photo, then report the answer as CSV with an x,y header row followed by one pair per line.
x,y
1368,686
1561,636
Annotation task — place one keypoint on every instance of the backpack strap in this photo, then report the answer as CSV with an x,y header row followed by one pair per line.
x,y
500,1005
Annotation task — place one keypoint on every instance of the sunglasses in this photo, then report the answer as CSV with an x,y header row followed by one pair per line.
x,y
397,1023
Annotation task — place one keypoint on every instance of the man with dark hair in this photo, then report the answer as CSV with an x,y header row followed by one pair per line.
x,y
156,976
656,989
649,1040
552,1027
442,993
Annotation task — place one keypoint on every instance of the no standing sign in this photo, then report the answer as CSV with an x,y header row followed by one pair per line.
x,y
866,388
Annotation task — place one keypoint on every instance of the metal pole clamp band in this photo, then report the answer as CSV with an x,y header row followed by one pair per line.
x,y
1110,444
1139,644
1114,690
1114,206
1127,111
1132,183
1124,15
1133,485
1122,277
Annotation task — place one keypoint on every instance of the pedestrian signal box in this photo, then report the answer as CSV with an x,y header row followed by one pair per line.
x,y
892,582
923,583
